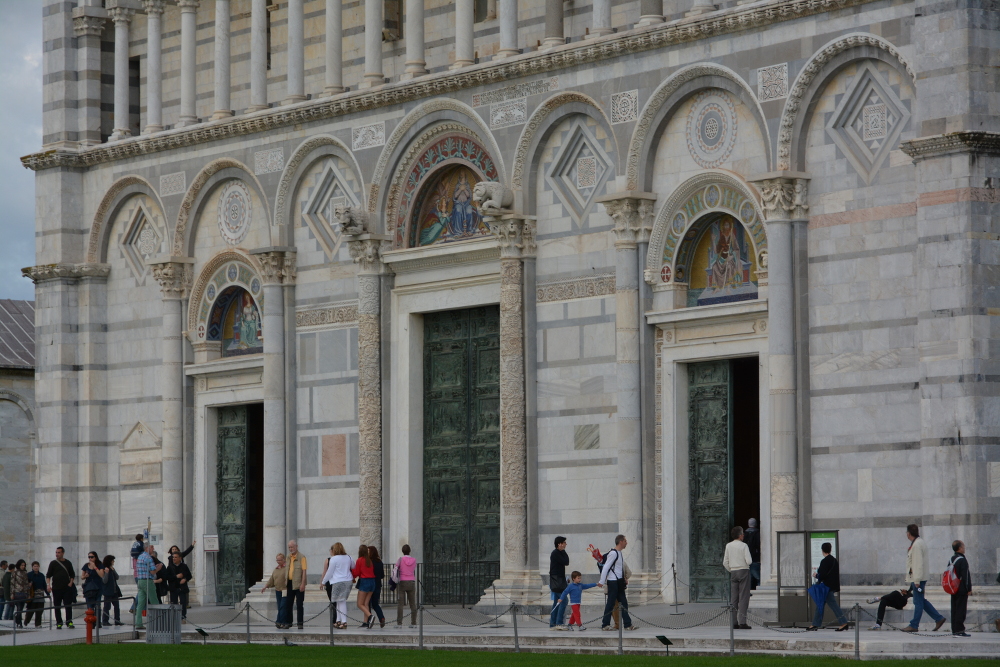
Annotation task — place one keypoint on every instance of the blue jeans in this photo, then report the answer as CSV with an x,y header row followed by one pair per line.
x,y
831,601
920,604
615,592
558,614
282,612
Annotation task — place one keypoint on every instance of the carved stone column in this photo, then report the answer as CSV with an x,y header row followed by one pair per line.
x,y
296,53
189,26
277,270
516,236
259,19
373,45
174,276
88,25
628,230
154,66
335,47
508,30
784,195
553,24
122,17
222,60
366,249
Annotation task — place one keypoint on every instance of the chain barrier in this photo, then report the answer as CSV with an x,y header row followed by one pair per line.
x,y
898,629
759,621
463,625
239,614
713,617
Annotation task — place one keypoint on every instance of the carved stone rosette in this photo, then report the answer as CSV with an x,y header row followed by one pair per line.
x,y
516,237
366,249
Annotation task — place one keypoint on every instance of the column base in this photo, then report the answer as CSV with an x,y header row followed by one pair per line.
x,y
372,81
413,69
598,32
220,114
152,129
698,10
120,134
186,121
329,91
257,107
461,64
293,99
506,53
519,586
552,42
652,20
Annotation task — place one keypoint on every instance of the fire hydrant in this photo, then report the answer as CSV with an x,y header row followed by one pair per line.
x,y
90,618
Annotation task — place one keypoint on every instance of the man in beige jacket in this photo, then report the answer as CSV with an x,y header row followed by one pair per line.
x,y
916,577
737,562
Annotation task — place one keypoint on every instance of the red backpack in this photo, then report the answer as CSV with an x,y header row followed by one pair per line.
x,y
950,582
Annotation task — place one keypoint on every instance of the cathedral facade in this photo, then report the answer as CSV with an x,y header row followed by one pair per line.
x,y
470,275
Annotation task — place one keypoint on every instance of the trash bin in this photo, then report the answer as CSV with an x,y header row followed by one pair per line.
x,y
163,624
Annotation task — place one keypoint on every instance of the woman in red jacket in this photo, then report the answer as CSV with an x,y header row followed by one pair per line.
x,y
364,570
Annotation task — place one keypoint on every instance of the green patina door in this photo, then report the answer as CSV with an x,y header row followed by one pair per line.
x,y
239,511
710,476
461,454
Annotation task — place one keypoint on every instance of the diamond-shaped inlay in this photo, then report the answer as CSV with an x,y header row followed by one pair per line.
x,y
140,241
868,121
579,170
318,212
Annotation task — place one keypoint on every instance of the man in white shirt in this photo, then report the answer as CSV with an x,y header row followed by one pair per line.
x,y
737,562
613,574
916,576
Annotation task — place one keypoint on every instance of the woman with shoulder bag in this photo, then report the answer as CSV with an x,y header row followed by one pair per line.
x,y
20,589
112,593
338,575
36,597
93,581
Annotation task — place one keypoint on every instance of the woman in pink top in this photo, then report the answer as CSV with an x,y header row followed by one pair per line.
x,y
405,577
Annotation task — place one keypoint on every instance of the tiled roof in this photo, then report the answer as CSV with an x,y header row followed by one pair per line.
x,y
17,334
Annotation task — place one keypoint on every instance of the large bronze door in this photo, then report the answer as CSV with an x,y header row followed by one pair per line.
x,y
710,477
461,454
239,477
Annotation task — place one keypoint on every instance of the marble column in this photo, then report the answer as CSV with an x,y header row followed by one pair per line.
x,y
553,24
373,45
258,56
416,65
296,55
334,48
601,21
366,249
629,229
189,28
122,17
88,26
650,12
465,22
222,53
174,276
516,236
784,195
154,66
508,30
277,269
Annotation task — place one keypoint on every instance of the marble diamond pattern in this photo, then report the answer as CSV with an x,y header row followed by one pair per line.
x,y
580,166
140,240
867,121
331,185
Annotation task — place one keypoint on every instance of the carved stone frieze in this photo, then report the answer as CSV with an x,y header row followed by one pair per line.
x,y
370,409
575,288
341,314
727,21
983,143
45,272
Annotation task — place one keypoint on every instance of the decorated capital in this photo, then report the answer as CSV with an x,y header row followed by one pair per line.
x,y
174,274
277,265
784,195
632,214
514,233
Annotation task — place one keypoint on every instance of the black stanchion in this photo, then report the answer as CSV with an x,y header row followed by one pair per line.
x,y
675,612
857,631
333,614
732,625
248,622
621,629
513,615
421,618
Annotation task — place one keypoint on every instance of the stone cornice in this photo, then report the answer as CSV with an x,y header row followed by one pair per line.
x,y
984,143
726,21
44,272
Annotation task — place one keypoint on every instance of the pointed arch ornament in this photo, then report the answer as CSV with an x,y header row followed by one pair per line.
x,y
227,269
709,192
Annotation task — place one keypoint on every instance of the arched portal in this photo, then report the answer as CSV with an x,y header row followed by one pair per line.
x,y
236,323
717,260
443,210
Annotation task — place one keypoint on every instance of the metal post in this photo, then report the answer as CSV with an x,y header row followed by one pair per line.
x,y
97,624
421,616
676,613
732,639
857,631
14,640
513,615
621,628
248,622
333,613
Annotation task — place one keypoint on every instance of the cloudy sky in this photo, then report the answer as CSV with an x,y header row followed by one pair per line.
x,y
20,134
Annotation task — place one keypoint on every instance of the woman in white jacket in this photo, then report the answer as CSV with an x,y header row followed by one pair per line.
x,y
338,575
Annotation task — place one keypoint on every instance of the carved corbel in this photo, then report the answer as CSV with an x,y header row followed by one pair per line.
x,y
632,213
492,198
514,233
174,274
784,195
277,265
352,221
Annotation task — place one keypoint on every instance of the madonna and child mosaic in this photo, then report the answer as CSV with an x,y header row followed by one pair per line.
x,y
447,212
723,268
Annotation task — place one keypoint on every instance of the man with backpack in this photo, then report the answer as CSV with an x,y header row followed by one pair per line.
x,y
613,574
916,577
959,584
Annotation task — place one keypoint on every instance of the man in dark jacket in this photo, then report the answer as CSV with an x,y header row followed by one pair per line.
x,y
960,600
178,575
828,573
557,583
59,578
895,599
752,538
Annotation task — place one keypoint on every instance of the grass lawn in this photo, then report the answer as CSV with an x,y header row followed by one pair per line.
x,y
242,655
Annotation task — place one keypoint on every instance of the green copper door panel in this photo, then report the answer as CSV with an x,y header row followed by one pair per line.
x,y
231,492
710,477
461,441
